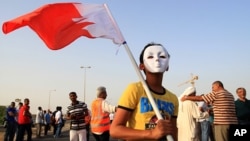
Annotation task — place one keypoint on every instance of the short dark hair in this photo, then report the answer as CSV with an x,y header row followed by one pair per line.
x,y
241,88
12,103
74,93
219,83
58,108
148,45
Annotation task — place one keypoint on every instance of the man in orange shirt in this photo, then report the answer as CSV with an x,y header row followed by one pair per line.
x,y
100,109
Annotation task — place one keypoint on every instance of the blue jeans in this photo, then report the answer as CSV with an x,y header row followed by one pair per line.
x,y
58,130
205,130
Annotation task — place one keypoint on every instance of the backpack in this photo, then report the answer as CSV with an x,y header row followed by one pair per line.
x,y
52,118
63,122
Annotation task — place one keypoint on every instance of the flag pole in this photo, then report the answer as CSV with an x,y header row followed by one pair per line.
x,y
132,59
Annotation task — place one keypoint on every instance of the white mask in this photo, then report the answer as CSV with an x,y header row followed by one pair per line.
x,y
156,59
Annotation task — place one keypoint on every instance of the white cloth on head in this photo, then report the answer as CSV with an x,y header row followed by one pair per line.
x,y
187,92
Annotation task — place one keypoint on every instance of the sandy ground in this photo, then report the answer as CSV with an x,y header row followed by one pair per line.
x,y
1,134
65,128
49,137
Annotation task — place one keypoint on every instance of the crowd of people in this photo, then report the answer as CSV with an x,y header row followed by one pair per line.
x,y
191,117
20,122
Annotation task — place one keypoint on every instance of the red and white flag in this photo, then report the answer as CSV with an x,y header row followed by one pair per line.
x,y
60,24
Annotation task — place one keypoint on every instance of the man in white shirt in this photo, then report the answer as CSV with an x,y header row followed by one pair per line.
x,y
204,123
59,121
39,121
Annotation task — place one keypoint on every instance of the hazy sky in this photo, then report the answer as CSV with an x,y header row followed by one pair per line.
x,y
210,39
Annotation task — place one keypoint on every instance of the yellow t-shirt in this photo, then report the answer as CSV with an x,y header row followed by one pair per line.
x,y
143,116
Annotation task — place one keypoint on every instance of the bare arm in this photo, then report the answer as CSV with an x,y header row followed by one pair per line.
x,y
119,124
192,98
162,128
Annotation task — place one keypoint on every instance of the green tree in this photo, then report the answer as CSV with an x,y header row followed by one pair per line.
x,y
2,113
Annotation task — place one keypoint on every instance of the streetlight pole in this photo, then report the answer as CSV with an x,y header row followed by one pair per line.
x,y
84,93
18,100
49,97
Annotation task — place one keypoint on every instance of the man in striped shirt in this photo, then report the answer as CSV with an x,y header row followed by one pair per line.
x,y
223,107
77,111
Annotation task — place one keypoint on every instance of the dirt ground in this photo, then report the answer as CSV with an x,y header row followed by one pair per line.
x,y
1,136
2,131
49,137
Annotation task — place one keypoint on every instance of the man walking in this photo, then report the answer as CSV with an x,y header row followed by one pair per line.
x,y
77,111
39,121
